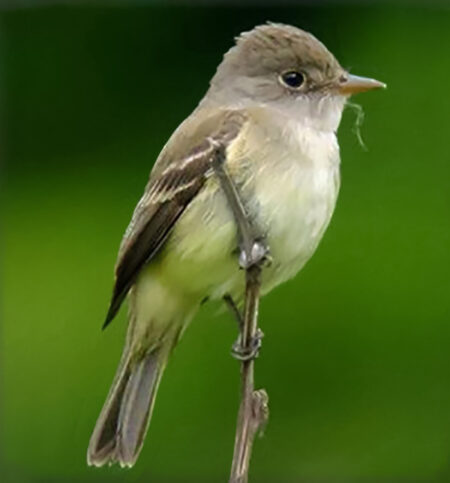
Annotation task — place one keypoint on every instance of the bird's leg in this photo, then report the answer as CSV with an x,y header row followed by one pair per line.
x,y
253,249
237,351
235,312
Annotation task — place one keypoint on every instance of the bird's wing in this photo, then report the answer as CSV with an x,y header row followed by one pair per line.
x,y
177,177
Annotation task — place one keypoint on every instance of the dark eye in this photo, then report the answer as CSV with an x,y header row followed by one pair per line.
x,y
293,79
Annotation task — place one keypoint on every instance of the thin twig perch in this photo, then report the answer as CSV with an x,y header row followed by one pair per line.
x,y
253,410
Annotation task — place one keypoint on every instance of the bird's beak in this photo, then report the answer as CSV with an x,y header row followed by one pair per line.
x,y
353,84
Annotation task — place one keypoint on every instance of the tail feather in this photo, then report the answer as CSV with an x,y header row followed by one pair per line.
x,y
123,422
137,406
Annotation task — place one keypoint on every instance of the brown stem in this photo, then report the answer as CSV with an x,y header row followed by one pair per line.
x,y
253,410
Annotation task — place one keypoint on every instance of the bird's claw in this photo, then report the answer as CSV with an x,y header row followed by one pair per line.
x,y
249,353
258,255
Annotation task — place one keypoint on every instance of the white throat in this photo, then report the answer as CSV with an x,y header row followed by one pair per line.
x,y
322,113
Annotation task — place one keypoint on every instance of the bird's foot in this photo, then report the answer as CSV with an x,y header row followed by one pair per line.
x,y
259,255
250,352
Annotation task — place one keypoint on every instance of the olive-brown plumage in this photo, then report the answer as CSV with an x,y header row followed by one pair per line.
x,y
274,105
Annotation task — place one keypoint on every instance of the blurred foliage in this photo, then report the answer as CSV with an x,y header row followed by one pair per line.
x,y
356,357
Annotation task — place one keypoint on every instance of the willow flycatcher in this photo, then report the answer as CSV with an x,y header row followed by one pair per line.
x,y
274,104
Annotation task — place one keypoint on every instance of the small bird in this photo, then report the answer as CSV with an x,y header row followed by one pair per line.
x,y
274,104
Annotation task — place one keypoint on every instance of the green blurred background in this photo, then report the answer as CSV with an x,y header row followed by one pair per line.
x,y
356,357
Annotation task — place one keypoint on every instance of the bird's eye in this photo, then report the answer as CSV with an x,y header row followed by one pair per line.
x,y
292,79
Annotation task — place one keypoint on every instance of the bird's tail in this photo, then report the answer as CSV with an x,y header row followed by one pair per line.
x,y
123,422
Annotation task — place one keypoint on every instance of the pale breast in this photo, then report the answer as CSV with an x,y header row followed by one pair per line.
x,y
289,180
295,195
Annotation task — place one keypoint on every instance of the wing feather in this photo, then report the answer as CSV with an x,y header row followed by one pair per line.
x,y
172,186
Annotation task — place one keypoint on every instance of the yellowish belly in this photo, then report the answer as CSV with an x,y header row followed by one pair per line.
x,y
293,208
